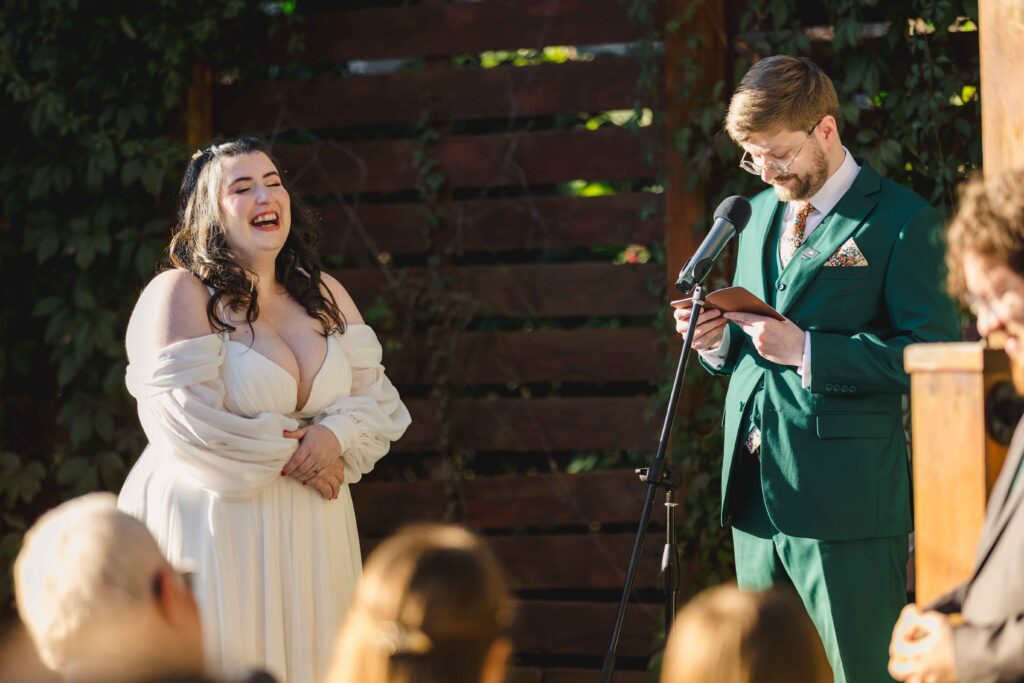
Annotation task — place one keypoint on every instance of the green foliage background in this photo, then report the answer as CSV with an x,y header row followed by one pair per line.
x,y
91,131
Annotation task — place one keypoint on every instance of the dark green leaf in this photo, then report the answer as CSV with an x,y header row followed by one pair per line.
x,y
47,305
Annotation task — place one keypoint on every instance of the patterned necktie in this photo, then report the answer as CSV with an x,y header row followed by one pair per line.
x,y
793,236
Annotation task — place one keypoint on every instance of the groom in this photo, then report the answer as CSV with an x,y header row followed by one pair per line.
x,y
815,475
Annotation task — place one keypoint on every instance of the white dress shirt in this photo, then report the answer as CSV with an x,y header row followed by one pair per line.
x,y
823,201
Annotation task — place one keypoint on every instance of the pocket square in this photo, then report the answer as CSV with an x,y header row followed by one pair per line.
x,y
846,256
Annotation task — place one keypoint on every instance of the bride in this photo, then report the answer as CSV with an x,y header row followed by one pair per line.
x,y
263,397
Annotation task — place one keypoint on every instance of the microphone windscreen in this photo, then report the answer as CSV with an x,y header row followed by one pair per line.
x,y
736,210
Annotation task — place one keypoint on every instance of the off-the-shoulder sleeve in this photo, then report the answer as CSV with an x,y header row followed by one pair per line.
x,y
366,422
180,397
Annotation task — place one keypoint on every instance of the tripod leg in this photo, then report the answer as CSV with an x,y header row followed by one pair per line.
x,y
654,477
670,562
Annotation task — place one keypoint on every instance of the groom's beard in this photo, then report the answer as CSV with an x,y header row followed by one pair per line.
x,y
803,187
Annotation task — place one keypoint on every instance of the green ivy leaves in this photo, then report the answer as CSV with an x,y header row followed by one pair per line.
x,y
92,139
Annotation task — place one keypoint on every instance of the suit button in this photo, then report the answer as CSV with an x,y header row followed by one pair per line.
x,y
781,286
828,387
844,388
853,387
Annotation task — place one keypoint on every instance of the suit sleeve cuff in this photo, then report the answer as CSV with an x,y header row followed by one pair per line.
x,y
804,369
715,358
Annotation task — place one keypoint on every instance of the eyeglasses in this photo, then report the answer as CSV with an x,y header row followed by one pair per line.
x,y
976,304
750,164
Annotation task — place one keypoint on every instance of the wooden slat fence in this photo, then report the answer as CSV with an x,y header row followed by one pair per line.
x,y
517,341
458,212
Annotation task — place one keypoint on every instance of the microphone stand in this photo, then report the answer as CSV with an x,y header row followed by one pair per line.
x,y
661,474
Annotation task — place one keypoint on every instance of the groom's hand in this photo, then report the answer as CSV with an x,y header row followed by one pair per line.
x,y
779,341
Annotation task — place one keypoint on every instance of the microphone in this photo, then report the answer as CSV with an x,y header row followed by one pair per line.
x,y
731,217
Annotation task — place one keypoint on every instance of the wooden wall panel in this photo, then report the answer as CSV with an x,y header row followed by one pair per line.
x,y
594,356
1002,105
466,94
587,499
517,160
512,248
528,290
555,627
536,424
565,675
492,225
458,28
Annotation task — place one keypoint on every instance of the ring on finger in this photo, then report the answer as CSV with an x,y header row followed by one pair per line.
x,y
316,469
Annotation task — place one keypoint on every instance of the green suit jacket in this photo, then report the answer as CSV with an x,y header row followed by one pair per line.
x,y
834,460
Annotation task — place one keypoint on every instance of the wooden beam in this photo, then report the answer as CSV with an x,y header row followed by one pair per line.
x,y
592,356
1002,99
956,458
458,28
199,107
565,675
515,160
582,628
360,232
683,207
586,499
517,425
522,290
506,93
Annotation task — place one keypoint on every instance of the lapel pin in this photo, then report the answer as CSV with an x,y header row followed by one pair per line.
x,y
809,253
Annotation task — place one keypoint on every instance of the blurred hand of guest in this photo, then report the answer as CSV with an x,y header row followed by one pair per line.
x,y
921,650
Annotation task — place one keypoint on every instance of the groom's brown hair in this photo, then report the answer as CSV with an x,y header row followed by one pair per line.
x,y
780,92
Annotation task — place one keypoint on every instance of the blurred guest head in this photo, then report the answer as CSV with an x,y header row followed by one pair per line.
x,y
19,660
986,255
432,607
98,598
731,636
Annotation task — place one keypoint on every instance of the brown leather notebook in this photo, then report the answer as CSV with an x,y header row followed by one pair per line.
x,y
733,300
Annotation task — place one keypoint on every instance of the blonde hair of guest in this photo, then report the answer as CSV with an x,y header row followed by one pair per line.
x,y
731,636
99,599
988,223
432,607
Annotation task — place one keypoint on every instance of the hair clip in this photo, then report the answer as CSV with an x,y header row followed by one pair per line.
x,y
395,639
199,153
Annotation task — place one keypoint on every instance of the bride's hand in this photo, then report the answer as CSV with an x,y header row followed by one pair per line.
x,y
328,481
328,488
317,461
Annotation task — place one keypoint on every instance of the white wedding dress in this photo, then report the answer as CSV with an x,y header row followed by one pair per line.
x,y
275,563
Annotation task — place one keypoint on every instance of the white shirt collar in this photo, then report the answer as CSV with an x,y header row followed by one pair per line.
x,y
825,199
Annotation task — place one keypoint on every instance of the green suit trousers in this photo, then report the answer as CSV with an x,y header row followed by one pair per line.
x,y
853,590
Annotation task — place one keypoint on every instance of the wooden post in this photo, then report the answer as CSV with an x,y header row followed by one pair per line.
x,y
956,456
682,208
1001,36
199,107
958,449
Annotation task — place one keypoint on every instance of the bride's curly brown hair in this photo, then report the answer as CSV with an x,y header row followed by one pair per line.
x,y
199,246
